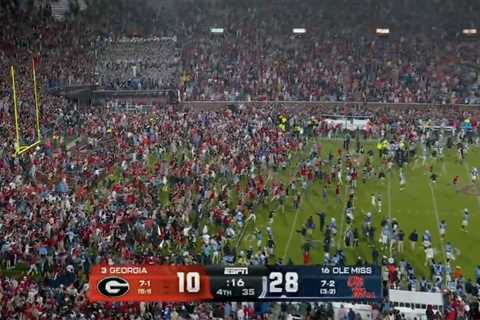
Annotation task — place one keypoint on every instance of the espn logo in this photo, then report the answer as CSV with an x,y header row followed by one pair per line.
x,y
235,271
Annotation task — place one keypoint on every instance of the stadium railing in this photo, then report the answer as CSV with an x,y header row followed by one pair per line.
x,y
212,105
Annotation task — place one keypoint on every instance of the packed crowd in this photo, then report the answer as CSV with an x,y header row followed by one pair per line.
x,y
306,68
73,218
167,187
139,64
51,47
62,50
258,57
345,172
146,187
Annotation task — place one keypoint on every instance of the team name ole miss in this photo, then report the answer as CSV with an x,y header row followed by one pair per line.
x,y
352,270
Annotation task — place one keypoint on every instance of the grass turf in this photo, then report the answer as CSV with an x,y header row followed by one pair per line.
x,y
414,208
421,206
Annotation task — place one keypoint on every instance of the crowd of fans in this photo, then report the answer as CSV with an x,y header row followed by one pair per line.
x,y
139,64
258,57
144,188
60,53
306,68
168,186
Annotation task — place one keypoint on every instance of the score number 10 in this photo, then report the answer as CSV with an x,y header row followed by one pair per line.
x,y
189,281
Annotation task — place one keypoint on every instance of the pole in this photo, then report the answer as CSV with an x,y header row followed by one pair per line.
x,y
17,128
37,110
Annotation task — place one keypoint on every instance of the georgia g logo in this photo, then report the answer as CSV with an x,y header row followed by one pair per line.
x,y
113,287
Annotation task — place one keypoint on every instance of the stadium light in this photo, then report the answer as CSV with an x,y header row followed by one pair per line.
x,y
299,30
382,31
216,30
470,32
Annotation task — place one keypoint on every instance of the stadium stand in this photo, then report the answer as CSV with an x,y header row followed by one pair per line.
x,y
108,186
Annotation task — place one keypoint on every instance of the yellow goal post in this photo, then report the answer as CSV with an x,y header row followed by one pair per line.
x,y
19,147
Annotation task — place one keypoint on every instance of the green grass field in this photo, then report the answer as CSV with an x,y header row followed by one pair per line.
x,y
421,206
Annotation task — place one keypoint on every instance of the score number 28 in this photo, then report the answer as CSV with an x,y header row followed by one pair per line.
x,y
280,283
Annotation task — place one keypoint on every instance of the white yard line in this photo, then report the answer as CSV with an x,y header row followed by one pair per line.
x,y
242,233
444,168
467,167
418,162
389,196
342,219
437,219
290,237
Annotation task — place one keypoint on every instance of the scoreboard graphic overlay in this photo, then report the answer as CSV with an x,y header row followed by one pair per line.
x,y
152,283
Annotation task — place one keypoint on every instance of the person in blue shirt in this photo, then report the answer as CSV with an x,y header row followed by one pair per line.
x,y
259,238
227,310
351,314
167,314
335,260
466,217
333,226
412,283
239,218
269,232
477,274
443,229
270,245
449,251
437,269
413,237
206,253
423,285
427,239
368,219
385,236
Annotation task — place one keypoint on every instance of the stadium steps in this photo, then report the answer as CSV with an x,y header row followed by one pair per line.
x,y
82,5
59,9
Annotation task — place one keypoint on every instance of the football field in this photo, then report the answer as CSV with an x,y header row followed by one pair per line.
x,y
421,205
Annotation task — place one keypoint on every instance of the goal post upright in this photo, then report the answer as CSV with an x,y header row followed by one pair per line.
x,y
19,148
37,107
15,110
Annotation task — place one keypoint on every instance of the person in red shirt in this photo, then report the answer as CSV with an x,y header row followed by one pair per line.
x,y
337,193
455,180
130,199
458,273
306,258
392,274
